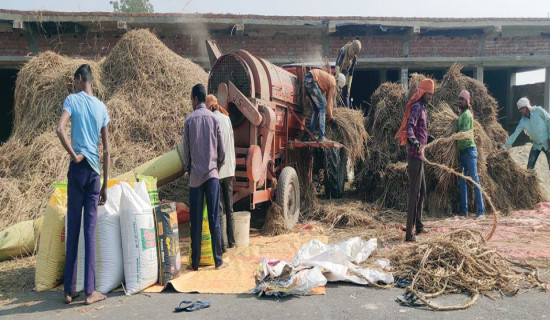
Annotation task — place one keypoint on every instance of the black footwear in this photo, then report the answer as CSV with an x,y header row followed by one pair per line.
x,y
190,306
413,239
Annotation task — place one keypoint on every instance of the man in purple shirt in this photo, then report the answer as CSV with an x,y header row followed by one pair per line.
x,y
417,137
203,155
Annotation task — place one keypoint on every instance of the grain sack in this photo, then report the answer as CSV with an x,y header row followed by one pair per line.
x,y
138,238
151,184
19,239
207,257
50,263
109,265
168,248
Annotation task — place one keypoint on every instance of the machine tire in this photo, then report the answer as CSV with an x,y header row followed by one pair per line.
x,y
336,172
288,196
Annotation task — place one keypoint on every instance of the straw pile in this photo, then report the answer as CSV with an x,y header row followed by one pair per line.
x,y
146,88
484,105
274,222
349,130
382,178
461,262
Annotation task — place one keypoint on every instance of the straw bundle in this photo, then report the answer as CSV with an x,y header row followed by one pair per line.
x,y
461,262
349,130
484,105
518,187
395,186
343,213
146,88
274,223
40,90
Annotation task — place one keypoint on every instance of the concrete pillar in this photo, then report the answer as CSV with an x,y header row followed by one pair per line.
x,y
547,90
405,79
510,104
383,75
478,73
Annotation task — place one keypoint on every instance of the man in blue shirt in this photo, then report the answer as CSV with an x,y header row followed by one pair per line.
x,y
536,122
89,118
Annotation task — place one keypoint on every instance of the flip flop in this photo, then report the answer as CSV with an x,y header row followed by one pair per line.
x,y
408,299
190,306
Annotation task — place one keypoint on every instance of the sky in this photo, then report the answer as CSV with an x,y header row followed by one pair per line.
x,y
386,8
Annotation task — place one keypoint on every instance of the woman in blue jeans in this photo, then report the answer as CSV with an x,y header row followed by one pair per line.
x,y
468,157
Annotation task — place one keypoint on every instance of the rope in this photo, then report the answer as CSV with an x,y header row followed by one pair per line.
x,y
463,136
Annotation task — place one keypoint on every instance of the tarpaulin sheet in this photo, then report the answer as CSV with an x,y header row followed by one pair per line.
x,y
238,277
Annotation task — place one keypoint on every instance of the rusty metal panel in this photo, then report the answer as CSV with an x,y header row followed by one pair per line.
x,y
261,78
284,84
231,67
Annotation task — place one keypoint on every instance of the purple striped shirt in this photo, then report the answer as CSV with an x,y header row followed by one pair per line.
x,y
203,151
417,128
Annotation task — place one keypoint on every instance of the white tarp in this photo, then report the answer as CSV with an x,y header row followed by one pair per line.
x,y
316,263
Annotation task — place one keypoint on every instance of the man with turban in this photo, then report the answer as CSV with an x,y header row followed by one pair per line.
x,y
536,121
414,133
468,156
227,170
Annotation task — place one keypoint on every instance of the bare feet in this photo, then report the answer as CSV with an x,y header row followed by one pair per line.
x,y
95,297
70,296
221,266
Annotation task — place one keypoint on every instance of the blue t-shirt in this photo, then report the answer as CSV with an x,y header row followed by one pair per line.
x,y
88,116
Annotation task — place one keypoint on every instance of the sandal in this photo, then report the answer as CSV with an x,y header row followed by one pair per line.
x,y
190,306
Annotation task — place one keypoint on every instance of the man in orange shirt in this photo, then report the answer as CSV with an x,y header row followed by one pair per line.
x,y
317,82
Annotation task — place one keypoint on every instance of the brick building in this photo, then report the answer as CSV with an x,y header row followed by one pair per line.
x,y
492,50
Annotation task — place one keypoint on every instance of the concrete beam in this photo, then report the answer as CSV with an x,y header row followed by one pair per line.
x,y
231,19
510,104
547,90
383,75
405,79
478,73
541,61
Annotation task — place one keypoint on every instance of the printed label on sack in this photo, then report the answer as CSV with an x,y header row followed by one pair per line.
x,y
154,198
147,238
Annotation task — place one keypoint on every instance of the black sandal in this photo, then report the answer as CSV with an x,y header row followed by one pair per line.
x,y
190,306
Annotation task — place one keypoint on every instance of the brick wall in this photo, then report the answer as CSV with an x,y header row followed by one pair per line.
x,y
282,46
517,46
371,46
13,44
440,46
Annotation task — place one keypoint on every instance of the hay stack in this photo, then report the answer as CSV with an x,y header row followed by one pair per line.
x,y
395,186
384,119
518,188
484,105
377,175
40,90
146,88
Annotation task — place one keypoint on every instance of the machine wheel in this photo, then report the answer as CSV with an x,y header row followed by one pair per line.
x,y
336,172
288,196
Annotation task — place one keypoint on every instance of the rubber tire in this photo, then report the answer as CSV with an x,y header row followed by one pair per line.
x,y
336,172
288,195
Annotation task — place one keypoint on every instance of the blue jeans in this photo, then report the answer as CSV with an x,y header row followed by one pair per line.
x,y
534,155
318,103
468,166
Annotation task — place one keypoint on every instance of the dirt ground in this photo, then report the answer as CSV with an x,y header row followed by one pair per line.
x,y
521,155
